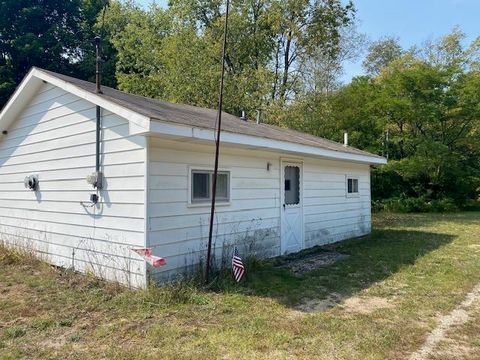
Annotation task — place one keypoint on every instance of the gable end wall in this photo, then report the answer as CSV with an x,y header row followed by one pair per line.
x,y
54,138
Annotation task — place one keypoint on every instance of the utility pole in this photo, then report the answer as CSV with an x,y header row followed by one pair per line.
x,y
217,147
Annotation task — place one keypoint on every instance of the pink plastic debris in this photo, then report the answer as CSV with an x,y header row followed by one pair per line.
x,y
155,261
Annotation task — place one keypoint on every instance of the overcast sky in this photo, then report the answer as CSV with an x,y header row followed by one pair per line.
x,y
412,21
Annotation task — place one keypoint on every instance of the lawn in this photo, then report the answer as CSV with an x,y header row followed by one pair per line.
x,y
381,302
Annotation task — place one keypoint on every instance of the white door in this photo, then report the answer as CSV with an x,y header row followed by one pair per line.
x,y
291,207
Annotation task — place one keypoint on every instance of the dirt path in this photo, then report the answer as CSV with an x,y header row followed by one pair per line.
x,y
458,317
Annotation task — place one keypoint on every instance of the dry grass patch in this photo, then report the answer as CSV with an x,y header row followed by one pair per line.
x,y
380,302
461,341
366,305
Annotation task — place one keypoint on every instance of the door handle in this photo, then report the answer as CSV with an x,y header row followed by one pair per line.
x,y
284,206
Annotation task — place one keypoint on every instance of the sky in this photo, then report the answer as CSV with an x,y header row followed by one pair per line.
x,y
411,21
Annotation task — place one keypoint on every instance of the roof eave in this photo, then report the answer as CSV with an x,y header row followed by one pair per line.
x,y
180,131
141,124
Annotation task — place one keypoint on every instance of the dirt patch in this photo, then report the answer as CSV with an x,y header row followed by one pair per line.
x,y
355,304
58,341
312,262
320,305
366,305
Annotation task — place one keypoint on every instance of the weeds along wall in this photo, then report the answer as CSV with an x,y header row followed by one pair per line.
x,y
54,138
178,230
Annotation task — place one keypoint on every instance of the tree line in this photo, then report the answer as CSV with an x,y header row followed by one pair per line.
x,y
418,106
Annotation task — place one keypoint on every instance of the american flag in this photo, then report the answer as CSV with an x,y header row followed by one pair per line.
x,y
237,266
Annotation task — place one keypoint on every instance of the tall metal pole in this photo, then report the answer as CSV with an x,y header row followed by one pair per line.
x,y
217,146
98,90
98,64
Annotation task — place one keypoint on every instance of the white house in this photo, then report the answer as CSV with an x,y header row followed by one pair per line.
x,y
279,190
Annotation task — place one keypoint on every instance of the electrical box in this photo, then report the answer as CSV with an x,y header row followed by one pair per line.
x,y
95,179
94,198
31,182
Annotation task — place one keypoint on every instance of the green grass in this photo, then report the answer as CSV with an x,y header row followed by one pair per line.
x,y
383,301
14,332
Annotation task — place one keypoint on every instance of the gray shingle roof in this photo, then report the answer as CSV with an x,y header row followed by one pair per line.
x,y
206,118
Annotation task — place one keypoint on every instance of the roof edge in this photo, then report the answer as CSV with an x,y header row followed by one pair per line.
x,y
12,108
143,124
175,130
32,81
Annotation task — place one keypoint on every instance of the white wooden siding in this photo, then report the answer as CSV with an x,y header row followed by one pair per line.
x,y
329,215
54,137
179,232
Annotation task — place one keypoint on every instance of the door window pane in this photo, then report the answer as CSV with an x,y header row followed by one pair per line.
x,y
292,185
288,185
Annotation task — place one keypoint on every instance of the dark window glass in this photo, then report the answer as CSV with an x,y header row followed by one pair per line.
x,y
202,182
200,186
292,185
222,186
287,185
352,186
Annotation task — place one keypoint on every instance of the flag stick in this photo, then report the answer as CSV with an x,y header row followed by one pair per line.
x,y
217,146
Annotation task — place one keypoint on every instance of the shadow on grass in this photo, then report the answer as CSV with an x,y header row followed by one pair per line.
x,y
372,259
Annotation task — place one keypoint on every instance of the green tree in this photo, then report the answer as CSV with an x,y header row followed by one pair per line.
x,y
306,29
427,102
93,24
136,36
381,53
32,32
46,33
174,54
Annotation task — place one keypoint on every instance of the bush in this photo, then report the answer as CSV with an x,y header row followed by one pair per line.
x,y
443,205
472,205
415,204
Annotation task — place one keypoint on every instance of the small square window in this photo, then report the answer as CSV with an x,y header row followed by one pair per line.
x,y
352,186
202,183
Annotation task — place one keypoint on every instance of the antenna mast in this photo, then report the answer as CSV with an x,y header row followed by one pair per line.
x,y
217,146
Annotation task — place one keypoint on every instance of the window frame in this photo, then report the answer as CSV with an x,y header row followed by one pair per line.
x,y
207,202
353,178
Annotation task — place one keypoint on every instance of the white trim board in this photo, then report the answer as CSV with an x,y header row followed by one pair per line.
x,y
180,131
